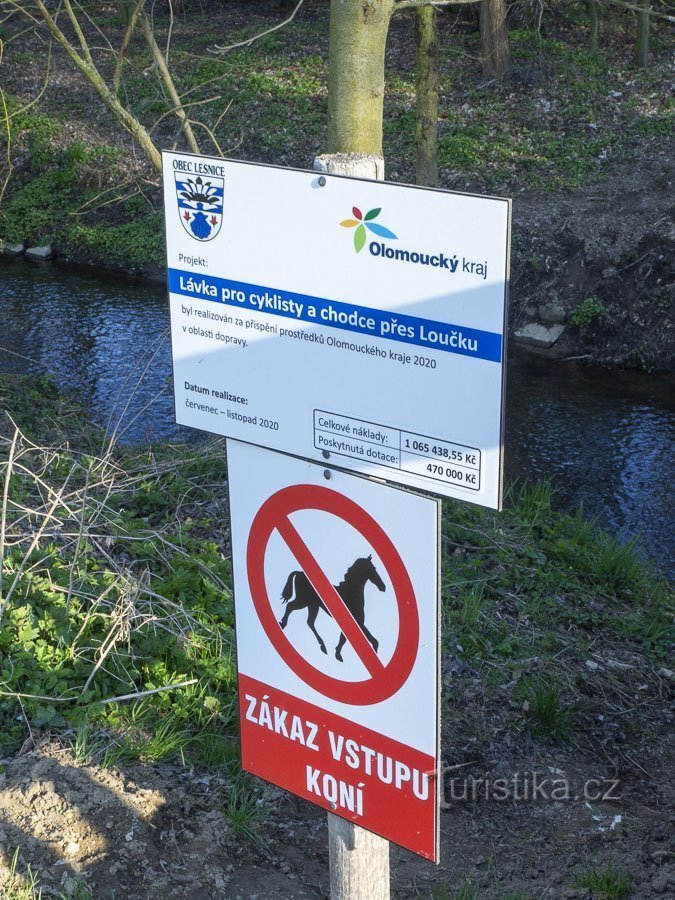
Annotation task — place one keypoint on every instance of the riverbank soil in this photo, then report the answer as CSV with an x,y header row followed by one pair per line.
x,y
581,140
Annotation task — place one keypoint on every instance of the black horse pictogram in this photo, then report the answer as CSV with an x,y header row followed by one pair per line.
x,y
298,593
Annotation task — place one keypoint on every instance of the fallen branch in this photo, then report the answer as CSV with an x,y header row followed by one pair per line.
x,y
138,694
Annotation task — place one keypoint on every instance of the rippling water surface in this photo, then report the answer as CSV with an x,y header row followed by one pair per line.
x,y
606,439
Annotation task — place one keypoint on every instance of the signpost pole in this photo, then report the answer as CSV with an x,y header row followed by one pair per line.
x,y
359,860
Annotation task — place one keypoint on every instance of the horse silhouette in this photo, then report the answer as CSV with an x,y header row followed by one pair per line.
x,y
298,593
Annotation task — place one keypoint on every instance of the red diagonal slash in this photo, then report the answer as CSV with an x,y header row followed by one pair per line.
x,y
334,602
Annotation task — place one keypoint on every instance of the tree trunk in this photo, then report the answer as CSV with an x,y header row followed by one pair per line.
x,y
426,85
593,20
642,44
359,861
494,38
357,39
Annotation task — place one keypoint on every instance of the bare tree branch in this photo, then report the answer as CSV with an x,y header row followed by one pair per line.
x,y
413,4
131,25
256,37
165,75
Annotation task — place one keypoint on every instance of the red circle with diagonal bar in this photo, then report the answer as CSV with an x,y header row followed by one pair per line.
x,y
384,680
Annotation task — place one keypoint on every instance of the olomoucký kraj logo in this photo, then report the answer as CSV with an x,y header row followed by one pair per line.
x,y
361,222
200,205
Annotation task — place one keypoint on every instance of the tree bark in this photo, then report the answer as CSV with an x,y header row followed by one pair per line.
x,y
130,13
426,85
494,38
357,40
356,165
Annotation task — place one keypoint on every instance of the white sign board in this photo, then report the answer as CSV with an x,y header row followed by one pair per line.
x,y
336,594
335,318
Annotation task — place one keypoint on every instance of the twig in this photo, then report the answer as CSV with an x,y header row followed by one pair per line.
x,y
638,766
133,18
5,496
256,37
137,694
109,643
78,545
636,261
18,695
34,543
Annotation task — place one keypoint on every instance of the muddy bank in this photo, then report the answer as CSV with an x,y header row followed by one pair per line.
x,y
600,264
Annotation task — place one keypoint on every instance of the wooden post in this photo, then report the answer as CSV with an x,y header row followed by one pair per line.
x,y
358,859
359,862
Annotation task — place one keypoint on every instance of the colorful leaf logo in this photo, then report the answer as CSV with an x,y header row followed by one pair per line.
x,y
361,222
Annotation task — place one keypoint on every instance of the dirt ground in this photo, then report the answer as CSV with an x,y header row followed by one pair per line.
x,y
615,242
605,799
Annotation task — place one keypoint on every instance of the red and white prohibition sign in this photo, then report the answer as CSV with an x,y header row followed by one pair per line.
x,y
384,679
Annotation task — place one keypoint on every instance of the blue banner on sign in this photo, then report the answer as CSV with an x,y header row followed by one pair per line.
x,y
335,314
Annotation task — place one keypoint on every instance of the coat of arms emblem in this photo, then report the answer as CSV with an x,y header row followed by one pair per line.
x,y
200,205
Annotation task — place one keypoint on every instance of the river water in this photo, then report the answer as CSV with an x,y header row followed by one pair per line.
x,y
605,439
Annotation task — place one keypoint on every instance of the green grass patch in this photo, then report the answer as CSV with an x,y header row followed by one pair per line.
x,y
606,884
243,810
548,715
589,312
534,583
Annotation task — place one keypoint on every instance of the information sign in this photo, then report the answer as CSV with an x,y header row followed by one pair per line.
x,y
339,319
336,600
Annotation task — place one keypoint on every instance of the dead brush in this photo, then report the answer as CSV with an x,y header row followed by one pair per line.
x,y
76,593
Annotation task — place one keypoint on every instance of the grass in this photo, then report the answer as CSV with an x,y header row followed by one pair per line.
x,y
21,887
116,583
532,594
26,886
243,811
548,716
606,884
